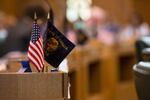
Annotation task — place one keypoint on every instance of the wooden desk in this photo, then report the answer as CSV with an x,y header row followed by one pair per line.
x,y
33,86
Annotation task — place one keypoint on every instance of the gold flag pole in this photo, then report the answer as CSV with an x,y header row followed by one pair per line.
x,y
48,16
35,16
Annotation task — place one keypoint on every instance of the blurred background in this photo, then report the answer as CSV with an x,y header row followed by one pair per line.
x,y
104,31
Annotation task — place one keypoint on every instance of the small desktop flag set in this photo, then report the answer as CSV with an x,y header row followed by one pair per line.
x,y
53,47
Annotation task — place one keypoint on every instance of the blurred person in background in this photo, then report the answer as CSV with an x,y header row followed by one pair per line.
x,y
15,33
95,21
75,32
135,29
70,32
3,34
82,38
6,21
81,34
107,33
101,27
20,33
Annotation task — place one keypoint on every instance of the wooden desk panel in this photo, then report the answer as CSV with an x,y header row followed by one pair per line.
x,y
35,86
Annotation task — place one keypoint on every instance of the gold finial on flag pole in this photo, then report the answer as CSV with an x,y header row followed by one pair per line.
x,y
35,16
48,16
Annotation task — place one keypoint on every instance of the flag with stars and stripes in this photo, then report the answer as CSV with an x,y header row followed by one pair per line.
x,y
35,50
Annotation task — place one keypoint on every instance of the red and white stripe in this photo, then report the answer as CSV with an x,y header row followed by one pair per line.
x,y
35,54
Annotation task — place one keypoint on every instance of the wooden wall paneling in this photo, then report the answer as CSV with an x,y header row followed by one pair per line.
x,y
100,73
80,71
76,85
13,7
75,61
16,7
142,6
125,86
59,9
117,9
126,91
92,74
109,72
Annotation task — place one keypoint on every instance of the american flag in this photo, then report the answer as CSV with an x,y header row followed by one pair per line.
x,y
35,50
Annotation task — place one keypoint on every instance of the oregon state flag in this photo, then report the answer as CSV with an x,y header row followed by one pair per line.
x,y
56,45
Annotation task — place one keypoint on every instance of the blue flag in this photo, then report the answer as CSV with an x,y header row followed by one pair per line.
x,y
56,45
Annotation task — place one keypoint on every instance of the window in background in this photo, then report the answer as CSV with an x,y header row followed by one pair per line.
x,y
78,9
